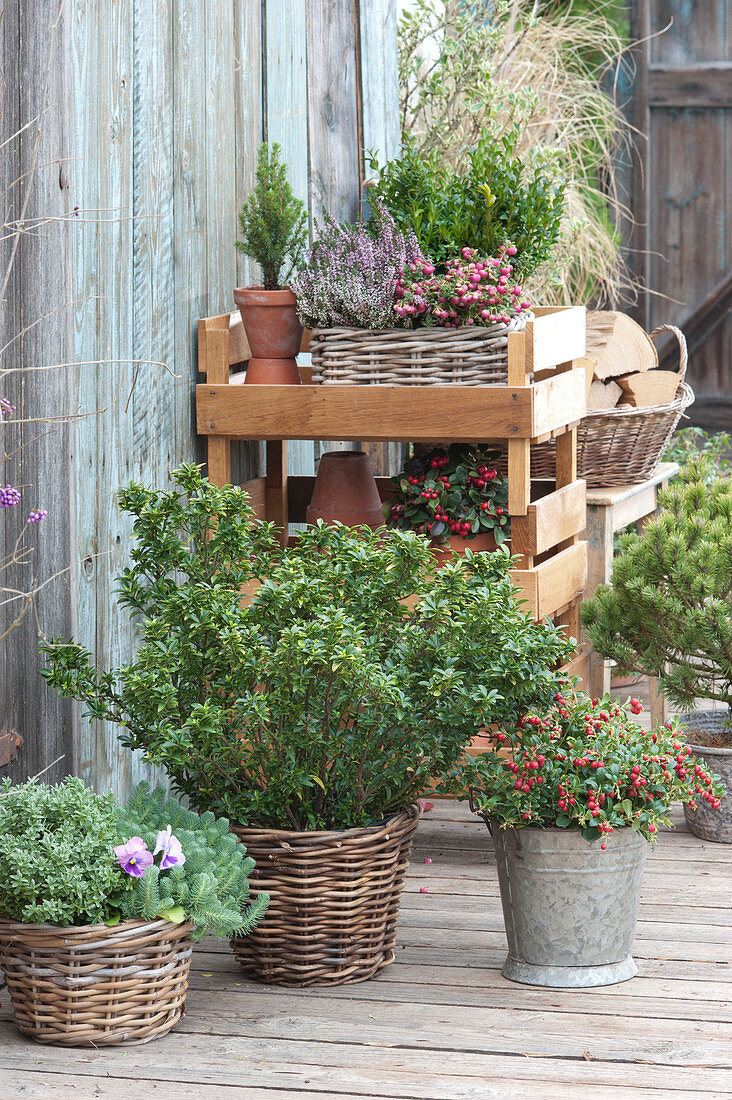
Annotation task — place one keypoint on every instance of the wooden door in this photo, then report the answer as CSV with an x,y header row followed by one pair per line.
x,y
682,187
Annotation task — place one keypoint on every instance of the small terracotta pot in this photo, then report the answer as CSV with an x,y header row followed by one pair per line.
x,y
272,372
274,333
345,491
456,545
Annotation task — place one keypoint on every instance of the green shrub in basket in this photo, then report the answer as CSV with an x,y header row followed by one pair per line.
x,y
331,698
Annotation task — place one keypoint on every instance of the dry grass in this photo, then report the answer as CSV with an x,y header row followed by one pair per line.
x,y
495,64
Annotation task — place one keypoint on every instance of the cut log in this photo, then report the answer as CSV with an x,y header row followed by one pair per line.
x,y
654,387
603,395
619,345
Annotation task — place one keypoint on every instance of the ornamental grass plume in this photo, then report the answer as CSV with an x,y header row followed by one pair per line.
x,y
352,271
471,68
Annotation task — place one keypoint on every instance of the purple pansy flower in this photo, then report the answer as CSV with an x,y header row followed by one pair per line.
x,y
134,856
170,846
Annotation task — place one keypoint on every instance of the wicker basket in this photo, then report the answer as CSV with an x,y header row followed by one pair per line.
x,y
334,899
93,985
622,446
466,356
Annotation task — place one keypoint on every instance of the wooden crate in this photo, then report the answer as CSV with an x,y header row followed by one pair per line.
x,y
544,399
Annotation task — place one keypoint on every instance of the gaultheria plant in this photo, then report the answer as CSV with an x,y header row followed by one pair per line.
x,y
351,275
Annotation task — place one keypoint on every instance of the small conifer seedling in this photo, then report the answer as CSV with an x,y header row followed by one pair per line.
x,y
274,223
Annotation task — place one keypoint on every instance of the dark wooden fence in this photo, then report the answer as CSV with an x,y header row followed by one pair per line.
x,y
682,186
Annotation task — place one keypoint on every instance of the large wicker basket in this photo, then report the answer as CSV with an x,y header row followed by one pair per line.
x,y
93,985
334,899
622,446
467,356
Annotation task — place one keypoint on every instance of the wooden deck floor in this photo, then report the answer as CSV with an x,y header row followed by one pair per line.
x,y
441,1022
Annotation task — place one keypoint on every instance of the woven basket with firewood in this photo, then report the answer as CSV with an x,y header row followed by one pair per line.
x,y
632,407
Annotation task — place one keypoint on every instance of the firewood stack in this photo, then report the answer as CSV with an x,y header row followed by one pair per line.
x,y
622,365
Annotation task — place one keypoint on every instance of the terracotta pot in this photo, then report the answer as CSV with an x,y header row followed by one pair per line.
x,y
345,491
274,333
272,372
457,545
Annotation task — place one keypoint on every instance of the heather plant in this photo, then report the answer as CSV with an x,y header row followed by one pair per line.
x,y
455,492
69,856
274,223
493,198
351,275
583,764
330,698
668,609
473,291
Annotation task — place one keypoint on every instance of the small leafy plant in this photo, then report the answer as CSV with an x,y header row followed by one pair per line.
x,y
471,292
69,856
495,198
689,444
274,223
455,492
584,764
668,609
352,272
353,677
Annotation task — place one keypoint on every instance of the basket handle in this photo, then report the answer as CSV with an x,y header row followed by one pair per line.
x,y
683,352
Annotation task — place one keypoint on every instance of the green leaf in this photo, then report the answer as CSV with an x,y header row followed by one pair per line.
x,y
177,914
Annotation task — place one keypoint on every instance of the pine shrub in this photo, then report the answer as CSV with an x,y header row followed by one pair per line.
x,y
668,610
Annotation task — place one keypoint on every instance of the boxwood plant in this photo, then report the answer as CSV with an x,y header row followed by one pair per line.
x,y
329,699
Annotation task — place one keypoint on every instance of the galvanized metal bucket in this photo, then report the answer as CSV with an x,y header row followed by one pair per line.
x,y
705,821
570,908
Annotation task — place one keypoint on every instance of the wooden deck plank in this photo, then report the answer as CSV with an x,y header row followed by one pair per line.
x,y
441,1023
313,1081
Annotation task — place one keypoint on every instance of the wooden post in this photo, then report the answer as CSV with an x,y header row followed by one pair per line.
x,y
215,360
519,450
276,486
599,535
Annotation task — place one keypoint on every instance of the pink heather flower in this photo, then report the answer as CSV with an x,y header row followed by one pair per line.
x,y
134,856
37,515
171,848
9,497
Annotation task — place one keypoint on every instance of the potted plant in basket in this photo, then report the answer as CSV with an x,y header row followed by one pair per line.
x,y
456,498
572,798
381,312
99,904
274,232
668,613
315,713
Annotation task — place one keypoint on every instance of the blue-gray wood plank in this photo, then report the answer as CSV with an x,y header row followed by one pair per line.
x,y
170,102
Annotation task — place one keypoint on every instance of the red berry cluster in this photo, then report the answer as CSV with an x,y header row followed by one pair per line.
x,y
450,493
583,764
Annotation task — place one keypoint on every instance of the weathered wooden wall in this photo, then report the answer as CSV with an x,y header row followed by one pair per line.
x,y
166,103
682,191
35,333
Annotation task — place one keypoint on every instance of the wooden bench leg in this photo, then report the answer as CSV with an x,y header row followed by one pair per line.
x,y
659,707
599,535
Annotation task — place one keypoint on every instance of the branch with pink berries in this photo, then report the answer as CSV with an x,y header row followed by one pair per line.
x,y
472,291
